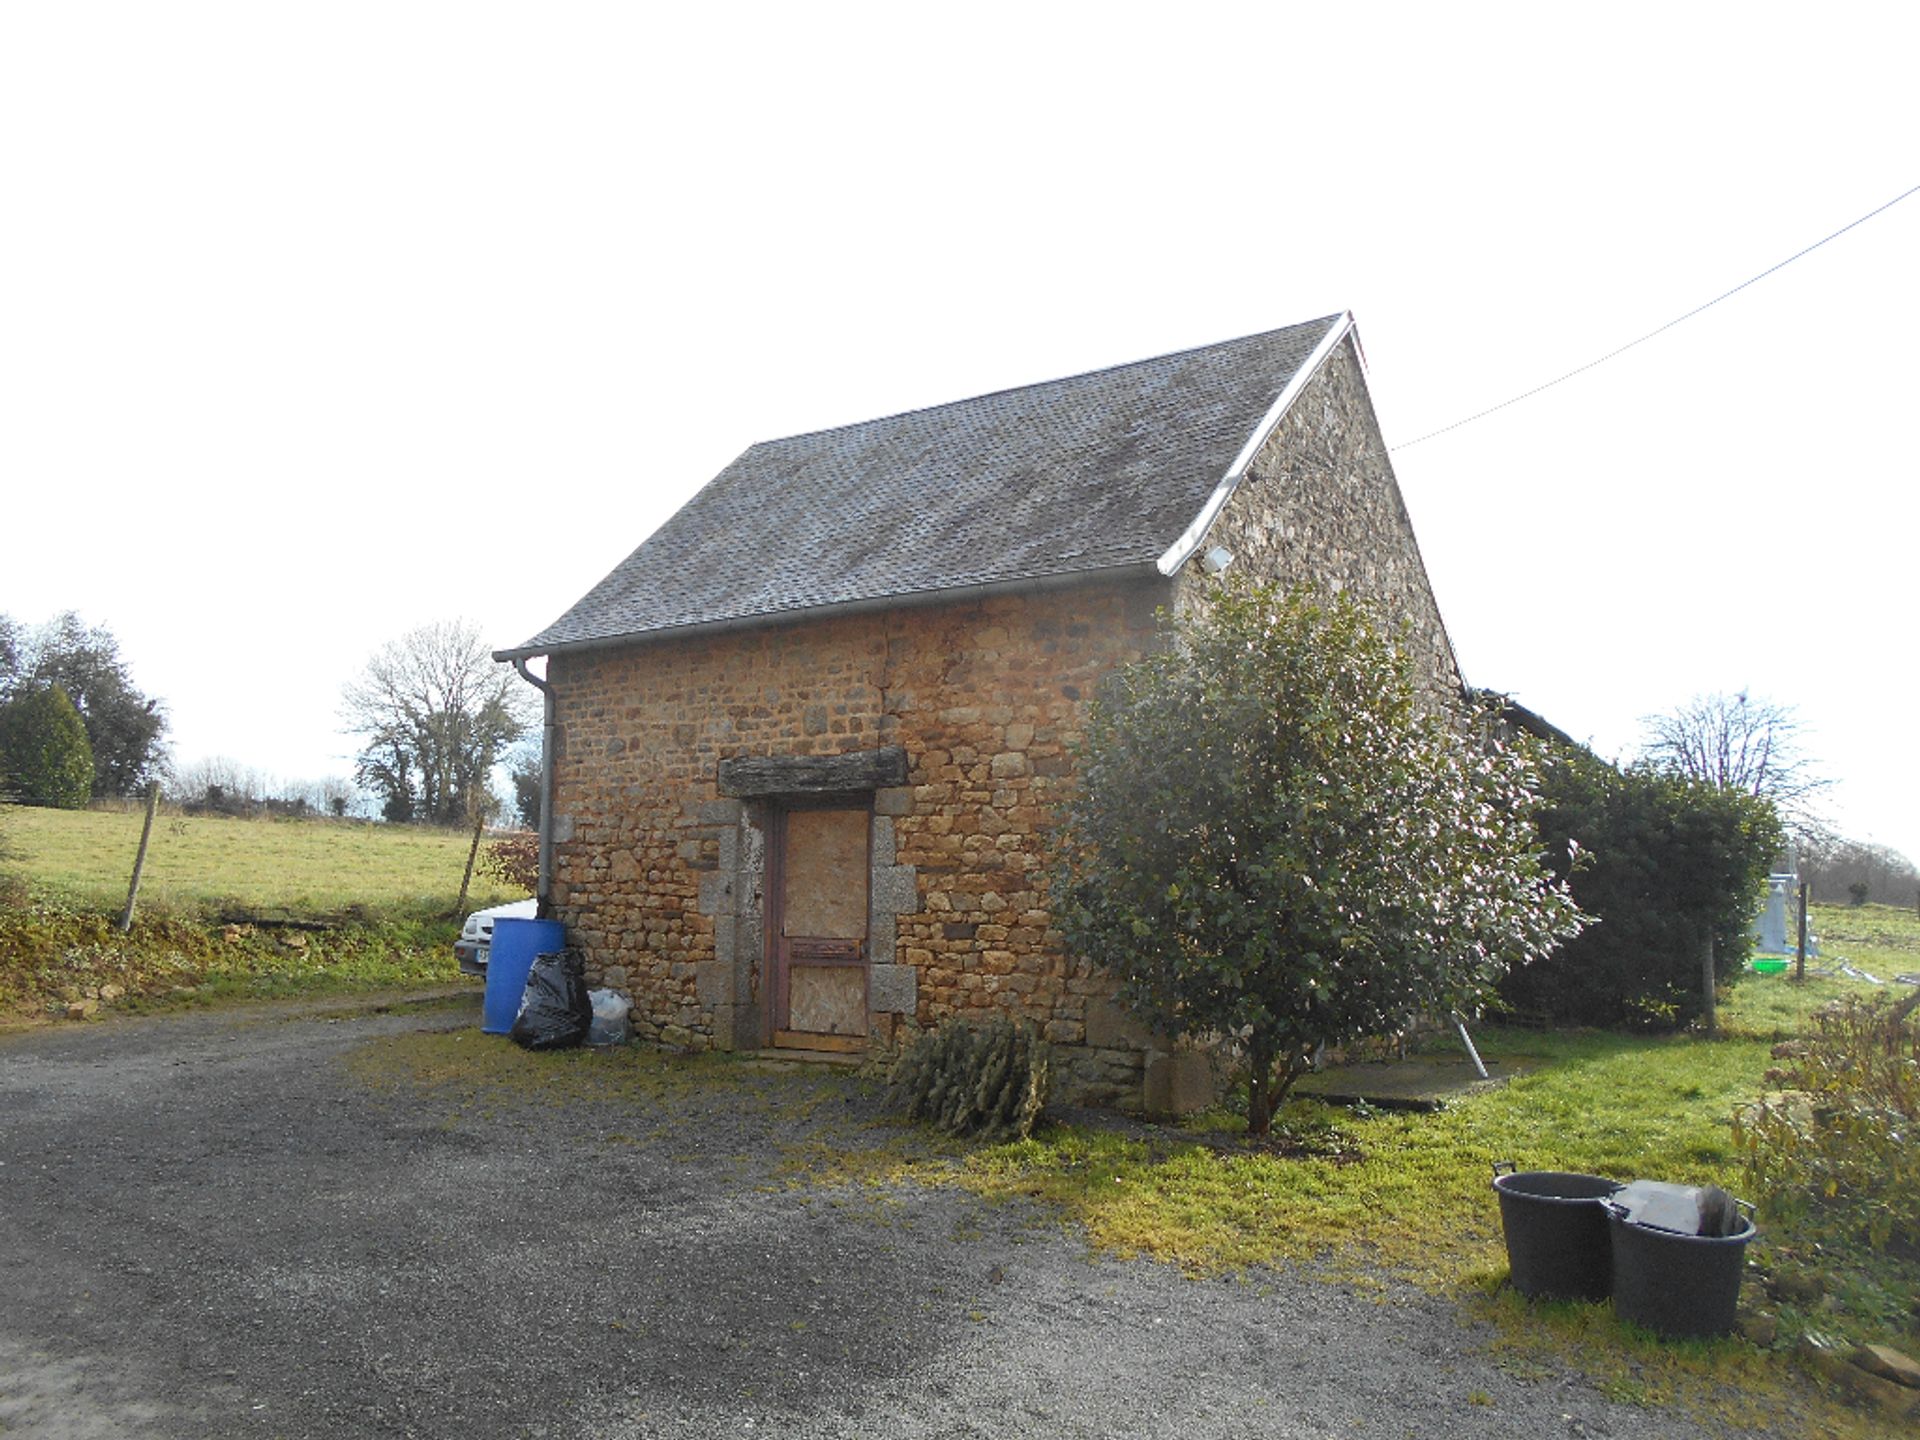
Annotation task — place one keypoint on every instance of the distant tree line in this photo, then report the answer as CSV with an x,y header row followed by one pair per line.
x,y
221,786
1841,872
73,726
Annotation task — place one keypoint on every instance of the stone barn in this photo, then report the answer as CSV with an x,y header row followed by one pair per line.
x,y
806,742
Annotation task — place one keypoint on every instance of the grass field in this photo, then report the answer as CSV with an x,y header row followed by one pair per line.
x,y
200,864
1411,1193
376,902
1881,939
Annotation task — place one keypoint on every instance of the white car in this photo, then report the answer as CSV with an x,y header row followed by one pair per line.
x,y
476,936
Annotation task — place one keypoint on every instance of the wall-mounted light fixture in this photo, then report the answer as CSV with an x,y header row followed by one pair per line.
x,y
1216,560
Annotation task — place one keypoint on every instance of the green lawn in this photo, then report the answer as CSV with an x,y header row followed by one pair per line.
x,y
203,863
1883,940
384,896
1411,1189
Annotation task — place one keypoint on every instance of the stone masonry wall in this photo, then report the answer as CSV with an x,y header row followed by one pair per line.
x,y
1320,503
659,877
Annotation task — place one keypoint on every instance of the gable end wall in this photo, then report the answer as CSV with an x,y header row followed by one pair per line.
x,y
1320,504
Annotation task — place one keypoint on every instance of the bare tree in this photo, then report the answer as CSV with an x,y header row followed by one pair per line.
x,y
1739,742
436,713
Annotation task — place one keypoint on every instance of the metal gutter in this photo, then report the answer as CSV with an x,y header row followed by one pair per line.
x,y
543,893
1063,580
1182,549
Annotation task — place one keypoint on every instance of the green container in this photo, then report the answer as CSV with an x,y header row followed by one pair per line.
x,y
1769,967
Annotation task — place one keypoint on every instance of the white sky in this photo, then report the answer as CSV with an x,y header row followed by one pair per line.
x,y
321,322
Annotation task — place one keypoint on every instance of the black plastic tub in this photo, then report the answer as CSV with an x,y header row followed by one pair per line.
x,y
1556,1227
1676,1285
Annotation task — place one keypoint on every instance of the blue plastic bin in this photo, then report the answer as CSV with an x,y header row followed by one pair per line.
x,y
515,944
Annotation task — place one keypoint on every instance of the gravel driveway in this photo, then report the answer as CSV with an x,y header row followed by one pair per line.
x,y
215,1225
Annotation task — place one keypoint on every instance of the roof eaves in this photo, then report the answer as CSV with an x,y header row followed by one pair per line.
x,y
1182,549
1058,580
1522,718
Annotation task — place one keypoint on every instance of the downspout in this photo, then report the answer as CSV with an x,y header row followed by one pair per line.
x,y
543,908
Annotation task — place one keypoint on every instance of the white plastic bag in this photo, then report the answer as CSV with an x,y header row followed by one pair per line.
x,y
609,1025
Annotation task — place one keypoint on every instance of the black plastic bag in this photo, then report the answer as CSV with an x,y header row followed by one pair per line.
x,y
555,1012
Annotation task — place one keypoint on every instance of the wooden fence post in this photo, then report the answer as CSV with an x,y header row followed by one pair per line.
x,y
1800,949
140,859
1707,981
479,825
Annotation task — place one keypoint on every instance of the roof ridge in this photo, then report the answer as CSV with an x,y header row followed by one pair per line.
x,y
1076,375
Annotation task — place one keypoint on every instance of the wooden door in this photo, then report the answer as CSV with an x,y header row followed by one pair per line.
x,y
820,930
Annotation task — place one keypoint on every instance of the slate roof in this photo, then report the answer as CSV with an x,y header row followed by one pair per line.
x,y
1021,487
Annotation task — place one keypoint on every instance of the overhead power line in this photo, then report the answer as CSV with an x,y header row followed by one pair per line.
x,y
1621,350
